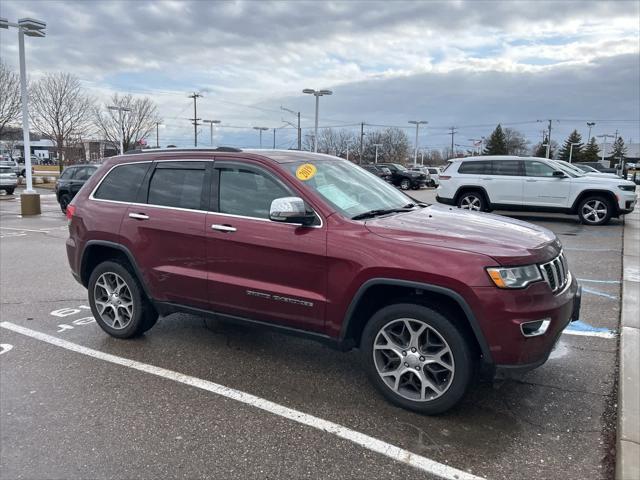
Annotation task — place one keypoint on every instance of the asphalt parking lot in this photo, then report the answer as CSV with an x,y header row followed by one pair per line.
x,y
68,412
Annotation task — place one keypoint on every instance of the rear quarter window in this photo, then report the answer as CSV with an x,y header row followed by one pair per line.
x,y
480,167
122,182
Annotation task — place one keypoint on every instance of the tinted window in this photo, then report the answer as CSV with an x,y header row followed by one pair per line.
x,y
480,167
507,167
67,173
538,169
179,187
248,193
122,182
83,173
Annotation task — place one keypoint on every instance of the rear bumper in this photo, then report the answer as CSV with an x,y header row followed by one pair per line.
x,y
446,201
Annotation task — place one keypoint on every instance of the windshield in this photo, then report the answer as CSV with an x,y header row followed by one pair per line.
x,y
588,168
350,189
571,167
402,168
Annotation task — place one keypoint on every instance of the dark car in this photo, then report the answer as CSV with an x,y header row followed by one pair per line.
x,y
71,181
598,166
404,178
382,172
313,245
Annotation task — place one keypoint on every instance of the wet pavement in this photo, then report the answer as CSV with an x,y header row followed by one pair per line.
x,y
68,415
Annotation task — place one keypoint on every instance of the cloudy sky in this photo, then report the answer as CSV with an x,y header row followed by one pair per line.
x,y
469,64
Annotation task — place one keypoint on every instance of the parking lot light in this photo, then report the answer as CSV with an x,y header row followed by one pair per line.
x,y
417,124
376,145
30,200
261,129
317,94
120,126
211,124
571,149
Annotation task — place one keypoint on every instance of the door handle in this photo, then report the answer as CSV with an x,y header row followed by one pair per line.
x,y
487,178
139,216
223,228
531,180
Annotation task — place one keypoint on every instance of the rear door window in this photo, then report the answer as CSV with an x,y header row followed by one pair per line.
x,y
178,185
479,167
508,168
122,183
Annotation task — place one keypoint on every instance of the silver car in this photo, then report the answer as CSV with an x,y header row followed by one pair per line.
x,y
8,179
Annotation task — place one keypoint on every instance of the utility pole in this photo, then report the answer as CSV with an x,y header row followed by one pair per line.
x,y
158,134
347,152
195,97
361,141
589,124
274,138
299,129
549,140
452,132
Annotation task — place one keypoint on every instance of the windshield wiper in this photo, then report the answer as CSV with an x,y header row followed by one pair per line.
x,y
382,211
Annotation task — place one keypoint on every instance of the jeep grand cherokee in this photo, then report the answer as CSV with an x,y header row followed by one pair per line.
x,y
312,244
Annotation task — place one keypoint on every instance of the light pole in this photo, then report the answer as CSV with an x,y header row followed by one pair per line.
x,y
120,126
29,200
417,124
604,146
571,149
158,134
317,94
376,145
211,123
261,129
590,124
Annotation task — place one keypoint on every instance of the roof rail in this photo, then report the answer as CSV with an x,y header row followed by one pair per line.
x,y
175,149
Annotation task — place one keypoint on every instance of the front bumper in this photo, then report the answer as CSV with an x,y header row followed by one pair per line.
x,y
503,312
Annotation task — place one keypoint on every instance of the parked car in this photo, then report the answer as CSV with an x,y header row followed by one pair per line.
x,y
424,170
8,179
382,172
597,166
584,169
434,172
15,168
313,245
71,181
404,178
533,184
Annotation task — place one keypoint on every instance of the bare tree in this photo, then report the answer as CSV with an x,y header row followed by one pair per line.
x,y
517,143
395,146
60,110
137,123
331,141
9,97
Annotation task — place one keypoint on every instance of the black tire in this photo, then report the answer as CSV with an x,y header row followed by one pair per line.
x,y
595,210
64,201
144,315
461,353
9,191
23,173
472,200
405,184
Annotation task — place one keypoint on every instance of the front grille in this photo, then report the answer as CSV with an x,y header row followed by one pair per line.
x,y
556,273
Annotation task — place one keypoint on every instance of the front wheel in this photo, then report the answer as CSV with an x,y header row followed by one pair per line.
x,y
117,301
417,358
10,190
595,210
405,184
64,201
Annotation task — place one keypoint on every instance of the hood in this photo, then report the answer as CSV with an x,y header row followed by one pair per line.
x,y
604,179
508,241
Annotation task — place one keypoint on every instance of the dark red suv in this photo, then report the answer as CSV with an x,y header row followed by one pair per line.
x,y
315,245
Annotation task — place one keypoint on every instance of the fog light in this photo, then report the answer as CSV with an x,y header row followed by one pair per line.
x,y
535,328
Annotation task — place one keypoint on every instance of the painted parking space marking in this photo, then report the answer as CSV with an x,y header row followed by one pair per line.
x,y
370,443
591,280
5,347
583,329
598,293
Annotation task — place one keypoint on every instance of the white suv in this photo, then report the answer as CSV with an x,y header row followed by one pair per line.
x,y
533,184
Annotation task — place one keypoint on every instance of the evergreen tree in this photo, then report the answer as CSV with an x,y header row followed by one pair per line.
x,y
497,143
591,152
618,152
565,152
540,150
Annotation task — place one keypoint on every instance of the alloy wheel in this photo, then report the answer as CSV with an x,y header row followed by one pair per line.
x,y
405,184
594,211
471,202
413,359
113,300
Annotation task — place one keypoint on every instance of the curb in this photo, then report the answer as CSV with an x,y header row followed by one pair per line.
x,y
628,441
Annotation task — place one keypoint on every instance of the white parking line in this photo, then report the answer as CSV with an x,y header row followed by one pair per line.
x,y
395,453
586,333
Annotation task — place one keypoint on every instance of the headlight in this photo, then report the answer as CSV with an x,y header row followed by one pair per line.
x,y
627,188
516,277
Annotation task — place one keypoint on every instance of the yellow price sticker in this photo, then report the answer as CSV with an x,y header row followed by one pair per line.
x,y
306,172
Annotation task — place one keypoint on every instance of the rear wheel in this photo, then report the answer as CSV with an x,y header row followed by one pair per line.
x,y
118,302
9,190
595,210
65,199
417,358
405,184
472,201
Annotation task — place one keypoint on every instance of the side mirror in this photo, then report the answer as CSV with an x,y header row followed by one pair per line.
x,y
559,174
290,210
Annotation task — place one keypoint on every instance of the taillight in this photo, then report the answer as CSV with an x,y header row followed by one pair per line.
x,y
445,177
71,210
